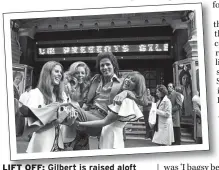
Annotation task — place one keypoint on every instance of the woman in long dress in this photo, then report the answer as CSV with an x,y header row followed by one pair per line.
x,y
122,111
185,81
164,126
44,102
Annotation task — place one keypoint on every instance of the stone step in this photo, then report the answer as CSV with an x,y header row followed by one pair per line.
x,y
135,127
184,130
184,140
186,119
187,140
130,132
136,123
143,131
136,138
134,132
185,134
187,143
186,123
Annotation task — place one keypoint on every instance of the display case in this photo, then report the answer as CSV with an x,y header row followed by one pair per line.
x,y
187,65
186,76
27,72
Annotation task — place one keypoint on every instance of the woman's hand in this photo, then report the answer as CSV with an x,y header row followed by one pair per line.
x,y
70,86
66,104
77,123
61,117
118,99
151,125
67,88
74,81
64,112
79,126
72,116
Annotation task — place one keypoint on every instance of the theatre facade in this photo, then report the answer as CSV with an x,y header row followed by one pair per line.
x,y
157,44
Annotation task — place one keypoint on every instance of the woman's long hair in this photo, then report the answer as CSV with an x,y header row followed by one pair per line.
x,y
73,70
45,81
140,88
188,80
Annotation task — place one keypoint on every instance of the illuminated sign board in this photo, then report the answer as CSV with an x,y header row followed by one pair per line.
x,y
107,48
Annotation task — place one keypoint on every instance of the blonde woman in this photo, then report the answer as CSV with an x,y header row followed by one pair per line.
x,y
79,79
76,81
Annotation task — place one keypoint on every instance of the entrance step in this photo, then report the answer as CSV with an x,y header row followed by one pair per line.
x,y
185,140
186,120
136,138
139,127
185,134
136,123
137,131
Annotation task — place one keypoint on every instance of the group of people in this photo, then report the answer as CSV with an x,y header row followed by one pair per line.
x,y
170,121
166,130
64,102
67,107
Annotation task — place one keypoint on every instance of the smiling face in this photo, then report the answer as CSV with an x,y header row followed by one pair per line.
x,y
106,67
129,83
56,75
80,74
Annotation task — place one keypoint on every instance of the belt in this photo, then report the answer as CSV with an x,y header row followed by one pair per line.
x,y
101,111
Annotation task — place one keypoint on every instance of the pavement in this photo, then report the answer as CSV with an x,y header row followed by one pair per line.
x,y
22,143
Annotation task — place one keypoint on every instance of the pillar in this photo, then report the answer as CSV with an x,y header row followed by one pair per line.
x,y
180,37
191,45
28,45
15,44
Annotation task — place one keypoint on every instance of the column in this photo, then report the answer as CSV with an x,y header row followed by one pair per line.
x,y
15,44
180,37
28,45
191,46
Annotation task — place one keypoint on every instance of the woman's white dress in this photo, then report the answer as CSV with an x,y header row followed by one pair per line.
x,y
42,140
112,134
164,135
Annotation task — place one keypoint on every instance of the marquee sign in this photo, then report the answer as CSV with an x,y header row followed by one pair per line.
x,y
140,48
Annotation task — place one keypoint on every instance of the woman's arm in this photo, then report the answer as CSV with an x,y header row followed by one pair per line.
x,y
166,111
118,99
110,118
